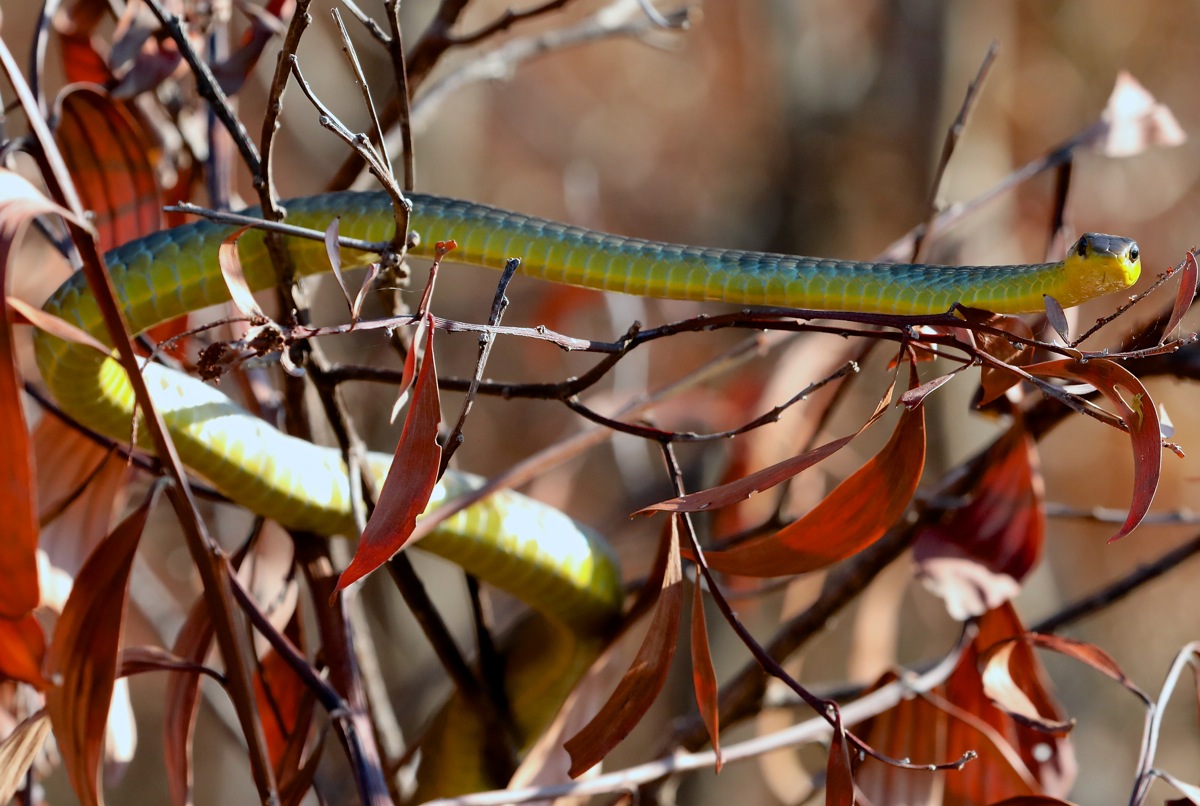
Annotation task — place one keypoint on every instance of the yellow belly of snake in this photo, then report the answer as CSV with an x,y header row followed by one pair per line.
x,y
534,552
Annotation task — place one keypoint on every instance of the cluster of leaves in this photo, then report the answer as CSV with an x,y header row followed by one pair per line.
x,y
984,719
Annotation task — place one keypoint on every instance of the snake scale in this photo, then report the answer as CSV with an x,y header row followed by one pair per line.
x,y
528,549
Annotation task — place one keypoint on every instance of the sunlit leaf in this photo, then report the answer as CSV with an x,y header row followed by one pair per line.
x,y
998,663
82,659
18,751
853,516
235,276
1057,317
704,676
1137,411
741,489
975,557
108,154
409,482
1135,121
285,707
640,685
20,202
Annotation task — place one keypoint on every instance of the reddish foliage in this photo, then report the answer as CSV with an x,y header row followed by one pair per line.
x,y
108,153
410,480
1137,411
704,677
639,686
82,659
853,516
977,555
22,648
741,489
1014,760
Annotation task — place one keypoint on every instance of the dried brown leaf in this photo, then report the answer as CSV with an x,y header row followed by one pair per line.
x,y
639,687
82,658
18,751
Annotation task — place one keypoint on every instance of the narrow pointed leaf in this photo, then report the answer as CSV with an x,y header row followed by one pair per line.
x,y
82,659
853,516
1057,318
741,489
640,685
1189,276
839,779
704,677
334,252
1137,411
409,482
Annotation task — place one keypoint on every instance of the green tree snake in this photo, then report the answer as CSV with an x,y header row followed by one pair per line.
x,y
526,548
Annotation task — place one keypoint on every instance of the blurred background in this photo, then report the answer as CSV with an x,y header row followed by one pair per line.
x,y
800,126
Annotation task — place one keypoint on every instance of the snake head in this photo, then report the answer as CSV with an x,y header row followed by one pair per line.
x,y
1100,264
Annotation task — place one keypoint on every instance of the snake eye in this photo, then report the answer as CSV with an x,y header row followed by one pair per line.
x,y
1081,247
1134,254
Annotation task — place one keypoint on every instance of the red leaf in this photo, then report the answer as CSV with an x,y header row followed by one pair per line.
x,y
108,154
1014,760
20,202
852,517
639,687
22,649
410,480
285,707
1139,414
839,779
704,677
1189,276
994,380
81,51
82,660
741,489
26,314
975,557
1001,683
1000,656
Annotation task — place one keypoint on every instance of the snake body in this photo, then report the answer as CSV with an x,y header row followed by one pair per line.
x,y
533,551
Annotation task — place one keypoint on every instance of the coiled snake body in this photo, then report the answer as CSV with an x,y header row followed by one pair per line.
x,y
533,551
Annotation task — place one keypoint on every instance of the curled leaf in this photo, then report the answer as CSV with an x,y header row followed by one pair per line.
x,y
1137,411
704,677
